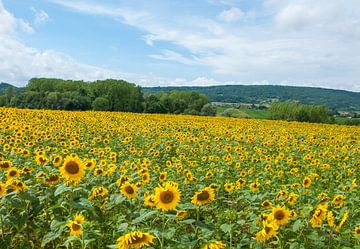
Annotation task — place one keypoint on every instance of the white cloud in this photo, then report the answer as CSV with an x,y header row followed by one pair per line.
x,y
302,42
40,17
231,15
20,62
173,56
25,26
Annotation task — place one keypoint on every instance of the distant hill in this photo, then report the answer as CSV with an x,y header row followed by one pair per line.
x,y
4,86
256,94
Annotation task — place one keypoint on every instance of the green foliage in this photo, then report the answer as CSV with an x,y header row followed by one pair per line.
x,y
175,102
208,110
332,99
109,95
101,104
293,111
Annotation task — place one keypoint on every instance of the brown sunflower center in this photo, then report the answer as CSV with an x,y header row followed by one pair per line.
x,y
129,190
53,178
279,215
137,239
203,196
5,165
12,173
57,160
267,229
357,231
75,227
167,197
72,167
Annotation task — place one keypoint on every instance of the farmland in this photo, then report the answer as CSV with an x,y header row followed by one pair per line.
x,y
124,180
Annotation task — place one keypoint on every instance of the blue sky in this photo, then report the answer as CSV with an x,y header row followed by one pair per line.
x,y
199,42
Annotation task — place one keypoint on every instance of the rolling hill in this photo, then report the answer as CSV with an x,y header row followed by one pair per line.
x,y
333,99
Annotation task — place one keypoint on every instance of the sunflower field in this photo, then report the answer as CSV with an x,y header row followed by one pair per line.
x,y
126,180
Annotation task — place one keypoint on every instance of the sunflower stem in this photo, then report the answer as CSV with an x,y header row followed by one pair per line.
x,y
198,214
230,233
163,230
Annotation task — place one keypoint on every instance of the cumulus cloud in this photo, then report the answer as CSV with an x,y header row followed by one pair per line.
x,y
301,42
20,62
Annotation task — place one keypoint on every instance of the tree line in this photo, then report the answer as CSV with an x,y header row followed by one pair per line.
x,y
293,111
101,95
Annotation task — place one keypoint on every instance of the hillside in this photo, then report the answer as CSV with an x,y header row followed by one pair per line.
x,y
333,99
4,86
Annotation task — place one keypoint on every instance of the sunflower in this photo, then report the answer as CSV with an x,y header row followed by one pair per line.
x,y
12,173
162,176
75,228
214,245
57,160
135,240
280,215
339,200
149,201
145,178
269,230
254,187
357,231
292,198
52,179
319,215
98,191
306,182
181,214
343,219
2,189
229,187
5,164
72,169
41,159
266,204
240,183
330,219
129,190
167,196
203,196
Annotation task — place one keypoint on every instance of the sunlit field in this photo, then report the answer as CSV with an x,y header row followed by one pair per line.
x,y
125,180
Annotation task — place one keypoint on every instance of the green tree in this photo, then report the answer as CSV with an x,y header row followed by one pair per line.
x,y
101,104
208,110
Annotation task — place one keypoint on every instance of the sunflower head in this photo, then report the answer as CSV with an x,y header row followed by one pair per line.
x,y
280,215
229,187
306,182
339,200
203,196
149,201
214,245
129,190
266,204
181,214
134,239
167,196
12,173
75,228
357,231
72,169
